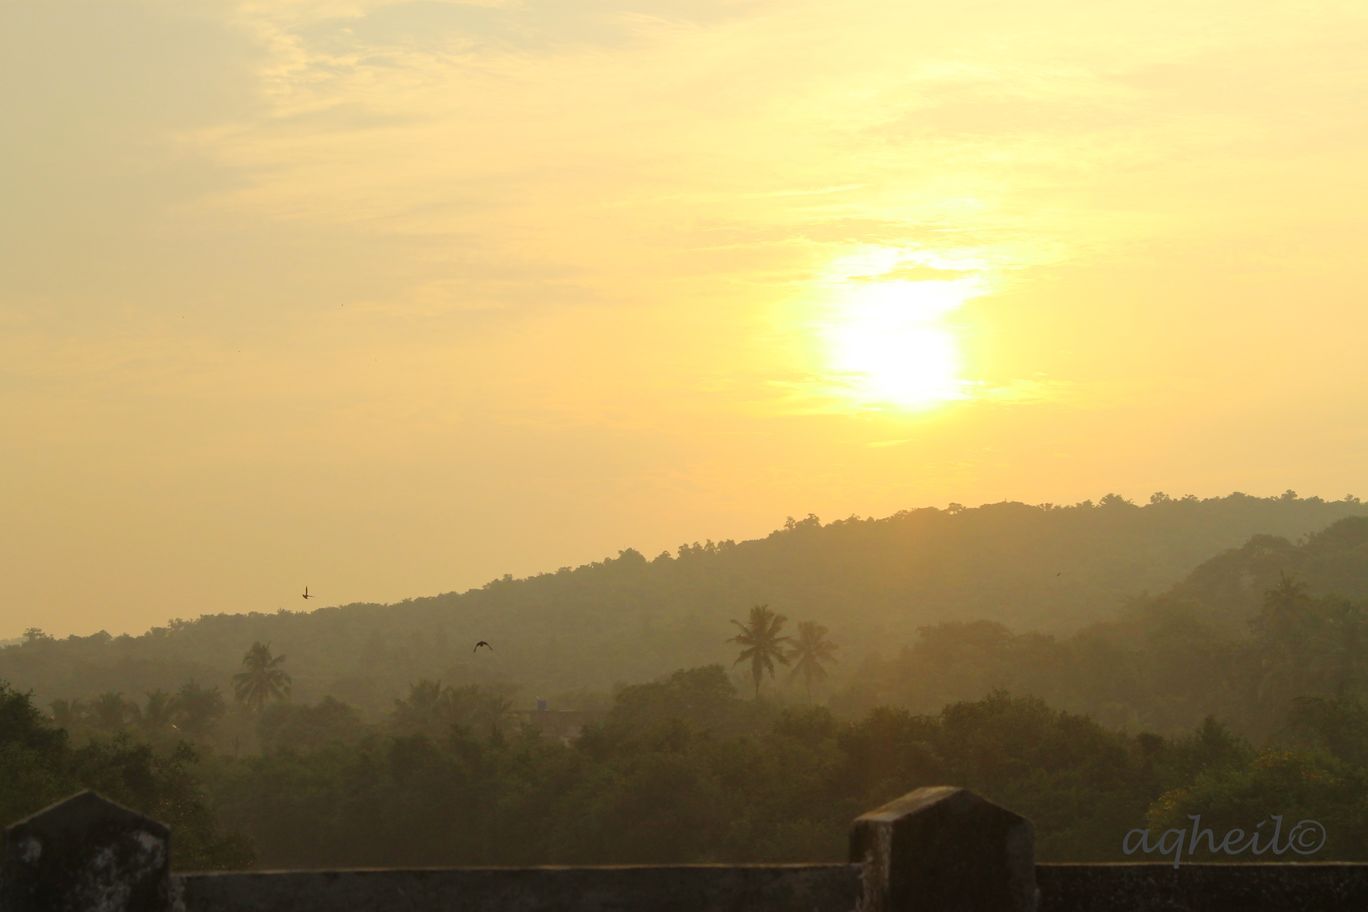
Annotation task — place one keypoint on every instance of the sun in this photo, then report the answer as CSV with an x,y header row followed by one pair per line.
x,y
888,344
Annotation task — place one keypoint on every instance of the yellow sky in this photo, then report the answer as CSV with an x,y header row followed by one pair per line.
x,y
391,298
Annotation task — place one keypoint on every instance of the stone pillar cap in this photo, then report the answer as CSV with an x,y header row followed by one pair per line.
x,y
82,813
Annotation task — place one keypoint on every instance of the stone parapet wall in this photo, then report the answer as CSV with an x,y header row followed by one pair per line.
x,y
1227,887
939,849
668,888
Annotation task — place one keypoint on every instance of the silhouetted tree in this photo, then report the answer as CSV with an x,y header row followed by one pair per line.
x,y
424,709
762,642
261,679
330,722
810,653
111,713
198,708
38,765
158,713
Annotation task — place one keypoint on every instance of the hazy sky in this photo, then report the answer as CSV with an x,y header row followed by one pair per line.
x,y
392,298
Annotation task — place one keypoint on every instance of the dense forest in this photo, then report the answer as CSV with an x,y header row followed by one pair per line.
x,y
1235,689
1046,569
686,770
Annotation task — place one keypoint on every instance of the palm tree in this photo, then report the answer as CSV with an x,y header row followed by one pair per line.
x,y
810,653
159,712
261,679
762,642
197,708
111,712
428,701
1286,607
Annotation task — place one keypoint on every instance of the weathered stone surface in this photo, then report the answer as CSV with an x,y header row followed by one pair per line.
x,y
1228,887
671,888
85,854
945,849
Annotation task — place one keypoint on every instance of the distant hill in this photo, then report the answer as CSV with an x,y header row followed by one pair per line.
x,y
1204,646
873,582
1228,590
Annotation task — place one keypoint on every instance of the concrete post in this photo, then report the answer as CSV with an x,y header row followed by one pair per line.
x,y
945,849
85,854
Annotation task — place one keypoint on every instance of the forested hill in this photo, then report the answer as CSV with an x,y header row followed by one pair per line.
x,y
1245,638
628,619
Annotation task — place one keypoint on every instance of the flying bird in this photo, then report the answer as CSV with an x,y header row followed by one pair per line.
x,y
306,592
482,643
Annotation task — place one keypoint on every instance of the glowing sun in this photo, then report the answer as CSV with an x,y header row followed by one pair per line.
x,y
888,344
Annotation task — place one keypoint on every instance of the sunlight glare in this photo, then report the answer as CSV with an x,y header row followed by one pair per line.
x,y
890,346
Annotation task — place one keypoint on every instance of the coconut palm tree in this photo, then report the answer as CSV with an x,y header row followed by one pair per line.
x,y
159,713
424,709
111,713
762,642
197,708
810,653
261,678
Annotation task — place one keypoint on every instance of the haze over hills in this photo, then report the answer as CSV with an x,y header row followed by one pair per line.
x,y
413,303
873,582
1242,638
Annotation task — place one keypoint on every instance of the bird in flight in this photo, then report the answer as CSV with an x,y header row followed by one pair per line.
x,y
306,593
482,643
